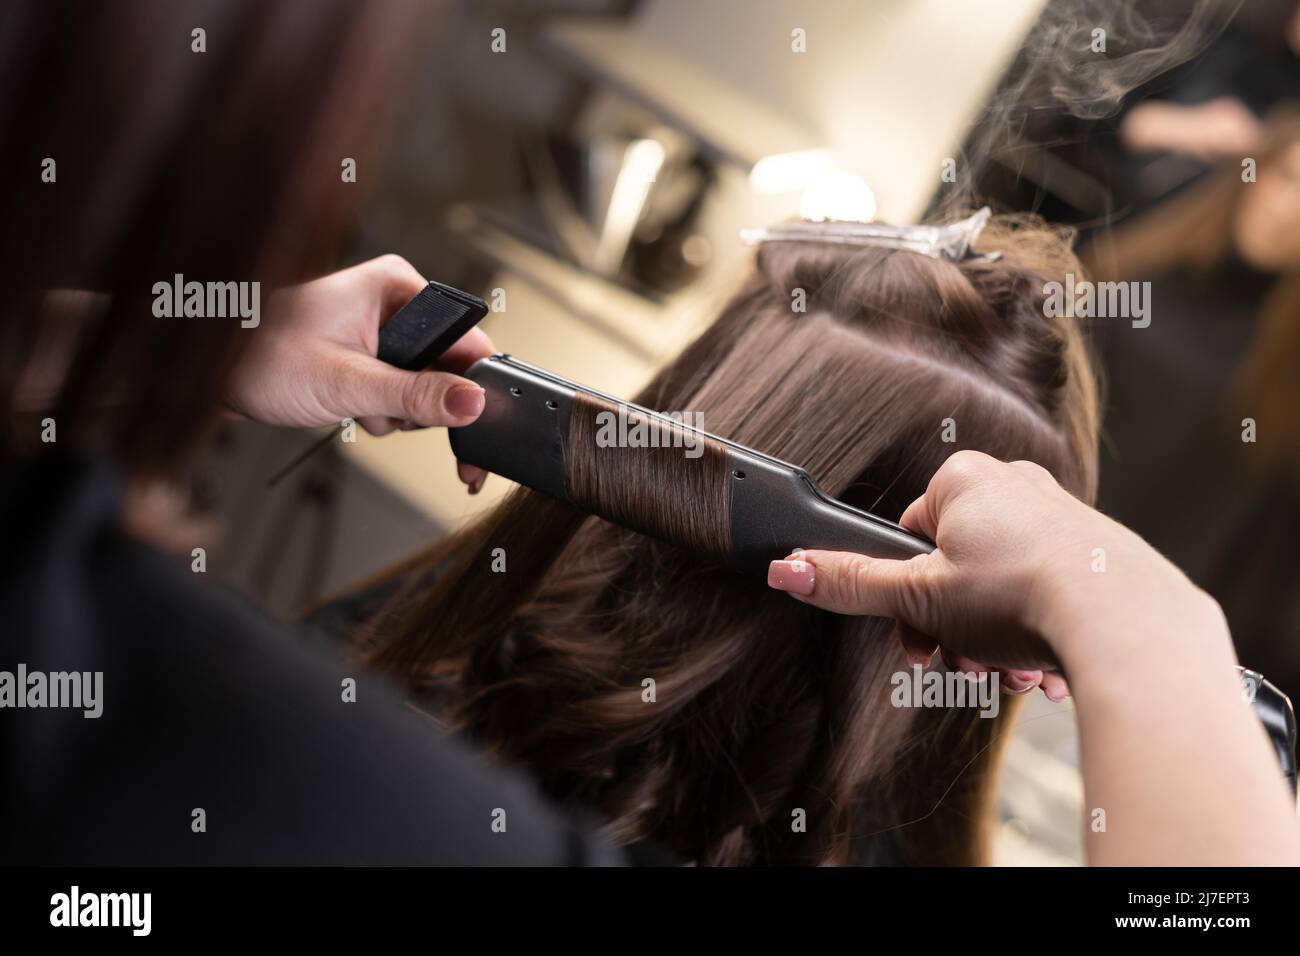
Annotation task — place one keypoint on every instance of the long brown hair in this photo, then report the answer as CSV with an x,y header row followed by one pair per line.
x,y
762,707
136,149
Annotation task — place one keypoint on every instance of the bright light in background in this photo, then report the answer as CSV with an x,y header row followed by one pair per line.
x,y
840,195
644,157
788,172
641,164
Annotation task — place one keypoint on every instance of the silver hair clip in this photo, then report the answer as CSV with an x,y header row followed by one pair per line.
x,y
952,242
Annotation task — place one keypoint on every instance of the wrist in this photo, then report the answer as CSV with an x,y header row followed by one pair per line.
x,y
1131,619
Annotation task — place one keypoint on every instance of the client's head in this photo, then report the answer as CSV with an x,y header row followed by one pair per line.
x,y
768,733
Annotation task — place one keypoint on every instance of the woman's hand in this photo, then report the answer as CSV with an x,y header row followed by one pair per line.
x,y
1208,131
314,364
1022,570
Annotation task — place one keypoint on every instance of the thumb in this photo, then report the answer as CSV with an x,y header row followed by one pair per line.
x,y
855,584
422,398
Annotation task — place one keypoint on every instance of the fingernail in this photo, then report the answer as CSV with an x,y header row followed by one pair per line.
x,y
1055,698
464,401
794,576
917,659
1018,682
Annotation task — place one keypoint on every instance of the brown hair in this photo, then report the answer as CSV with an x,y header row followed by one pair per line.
x,y
220,165
763,706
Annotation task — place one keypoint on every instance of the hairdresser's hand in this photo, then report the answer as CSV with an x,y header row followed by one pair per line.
x,y
1025,575
1208,131
314,363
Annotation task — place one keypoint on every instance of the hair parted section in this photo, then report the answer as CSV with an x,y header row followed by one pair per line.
x,y
761,707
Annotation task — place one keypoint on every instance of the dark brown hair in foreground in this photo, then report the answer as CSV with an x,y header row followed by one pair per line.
x,y
763,705
221,166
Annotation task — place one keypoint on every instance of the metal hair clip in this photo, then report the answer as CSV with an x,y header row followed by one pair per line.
x,y
952,242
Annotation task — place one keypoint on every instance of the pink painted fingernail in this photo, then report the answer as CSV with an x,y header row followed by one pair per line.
x,y
1018,682
797,577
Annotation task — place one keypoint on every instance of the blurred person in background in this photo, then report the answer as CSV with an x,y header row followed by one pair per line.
x,y
1222,351
1215,106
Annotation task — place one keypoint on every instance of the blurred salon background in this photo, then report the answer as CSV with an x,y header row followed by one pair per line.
x,y
586,166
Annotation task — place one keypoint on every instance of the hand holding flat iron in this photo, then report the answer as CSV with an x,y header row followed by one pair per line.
x,y
1026,577
315,362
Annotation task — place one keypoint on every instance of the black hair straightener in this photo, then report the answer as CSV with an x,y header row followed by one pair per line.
x,y
428,325
775,507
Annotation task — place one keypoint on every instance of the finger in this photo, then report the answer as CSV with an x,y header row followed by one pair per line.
x,y
378,424
1034,471
1021,682
920,518
370,387
472,475
466,350
949,659
855,584
398,281
919,648
958,473
1055,687
972,670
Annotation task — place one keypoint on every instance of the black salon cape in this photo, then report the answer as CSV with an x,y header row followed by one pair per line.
x,y
207,705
